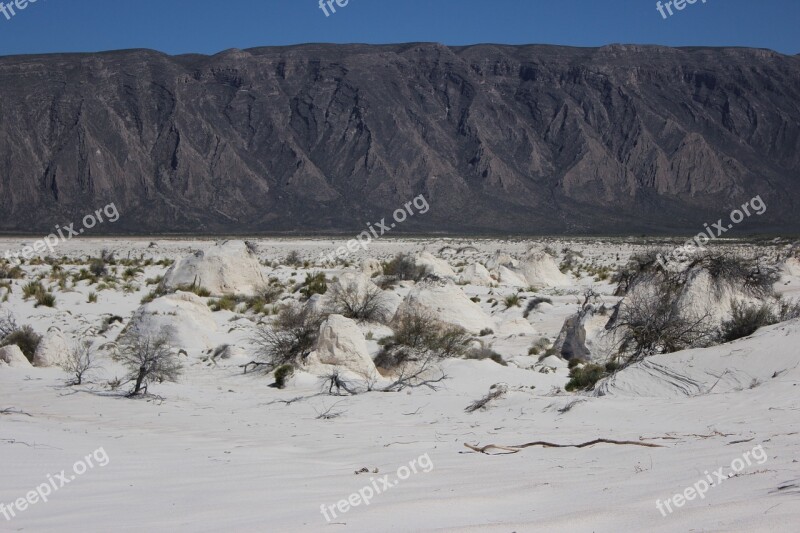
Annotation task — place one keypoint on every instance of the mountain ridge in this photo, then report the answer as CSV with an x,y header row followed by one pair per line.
x,y
522,139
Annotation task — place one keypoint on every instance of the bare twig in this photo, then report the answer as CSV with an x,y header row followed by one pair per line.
x,y
545,444
12,411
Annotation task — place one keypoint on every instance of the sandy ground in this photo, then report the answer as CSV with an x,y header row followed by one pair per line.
x,y
223,450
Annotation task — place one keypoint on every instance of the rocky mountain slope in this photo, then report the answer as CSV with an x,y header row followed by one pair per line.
x,y
522,139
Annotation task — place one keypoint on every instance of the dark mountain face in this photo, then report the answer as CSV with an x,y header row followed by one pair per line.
x,y
521,139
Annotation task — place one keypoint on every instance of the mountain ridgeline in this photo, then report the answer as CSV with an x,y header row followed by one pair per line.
x,y
325,138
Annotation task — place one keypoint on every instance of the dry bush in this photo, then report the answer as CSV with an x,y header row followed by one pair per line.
x,y
403,267
25,338
418,336
288,340
650,322
367,304
80,361
148,358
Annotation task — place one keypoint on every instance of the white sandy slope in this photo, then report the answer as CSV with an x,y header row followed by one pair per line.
x,y
218,452
218,455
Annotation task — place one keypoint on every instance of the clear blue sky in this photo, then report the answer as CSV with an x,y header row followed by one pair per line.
x,y
209,26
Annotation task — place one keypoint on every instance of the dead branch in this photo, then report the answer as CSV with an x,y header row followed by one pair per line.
x,y
12,411
545,444
495,392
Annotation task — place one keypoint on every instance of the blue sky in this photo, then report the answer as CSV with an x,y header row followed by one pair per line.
x,y
209,26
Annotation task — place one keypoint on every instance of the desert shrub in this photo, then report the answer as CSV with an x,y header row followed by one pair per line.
x,y
283,373
534,303
131,273
80,361
638,264
512,301
226,303
655,321
25,338
353,301
289,339
485,331
293,259
485,353
585,377
539,346
570,261
98,267
403,267
32,289
7,324
148,358
11,272
46,299
314,284
745,320
92,298
418,336
788,310
747,272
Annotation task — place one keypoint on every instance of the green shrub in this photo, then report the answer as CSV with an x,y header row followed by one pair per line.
x,y
314,284
512,301
226,303
485,353
403,267
46,299
26,339
745,320
92,298
32,289
585,377
9,272
282,373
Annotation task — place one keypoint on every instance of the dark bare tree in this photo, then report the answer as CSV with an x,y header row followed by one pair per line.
x,y
148,358
288,340
80,361
362,303
656,321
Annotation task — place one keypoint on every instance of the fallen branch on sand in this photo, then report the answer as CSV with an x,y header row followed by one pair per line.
x,y
12,411
515,449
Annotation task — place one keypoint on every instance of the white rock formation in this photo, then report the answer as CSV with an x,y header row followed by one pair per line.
x,y
53,349
792,266
583,335
516,326
447,303
476,274
371,267
501,259
229,267
13,357
540,270
434,265
509,278
183,317
342,344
